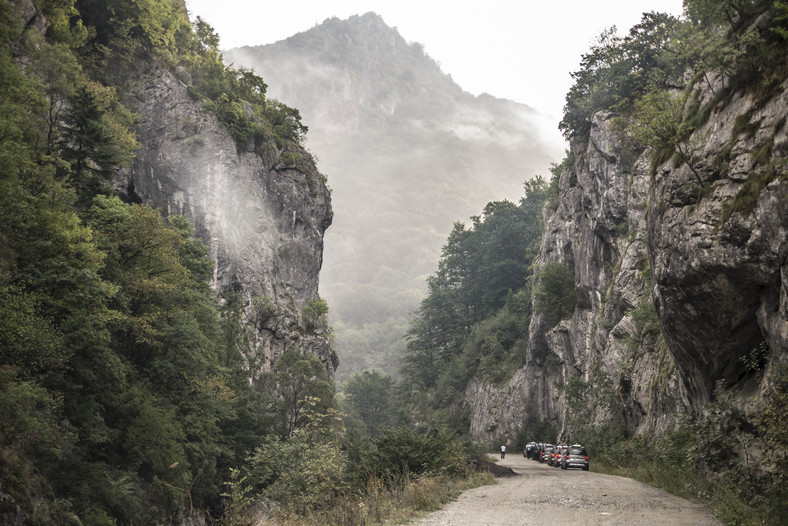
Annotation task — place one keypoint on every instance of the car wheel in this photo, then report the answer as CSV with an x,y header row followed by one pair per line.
x,y
585,468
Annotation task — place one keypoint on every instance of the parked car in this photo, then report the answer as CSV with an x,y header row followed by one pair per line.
x,y
545,453
575,456
548,454
529,450
559,454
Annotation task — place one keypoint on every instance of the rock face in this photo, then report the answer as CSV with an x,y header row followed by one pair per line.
x,y
408,152
721,260
263,219
681,281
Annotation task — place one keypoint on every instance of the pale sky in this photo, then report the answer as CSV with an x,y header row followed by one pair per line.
x,y
520,50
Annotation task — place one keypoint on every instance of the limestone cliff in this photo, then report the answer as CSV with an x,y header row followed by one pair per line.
x,y
261,214
408,152
681,280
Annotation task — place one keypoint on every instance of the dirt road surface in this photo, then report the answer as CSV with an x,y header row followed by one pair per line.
x,y
543,495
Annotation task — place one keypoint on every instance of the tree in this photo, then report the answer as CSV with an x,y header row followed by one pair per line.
x,y
554,295
370,396
92,141
475,299
296,378
314,314
618,70
660,126
306,470
236,333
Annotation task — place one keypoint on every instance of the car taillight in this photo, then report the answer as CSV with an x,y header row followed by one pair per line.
x,y
567,456
586,458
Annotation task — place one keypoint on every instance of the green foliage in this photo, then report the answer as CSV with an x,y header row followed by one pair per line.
x,y
646,320
237,98
730,14
717,42
34,439
264,308
237,336
121,32
110,369
95,139
660,126
618,70
314,313
477,306
31,342
296,379
370,396
724,457
404,451
124,388
306,470
238,501
554,294
497,346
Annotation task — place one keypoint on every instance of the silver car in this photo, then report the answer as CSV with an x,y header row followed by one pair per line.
x,y
575,456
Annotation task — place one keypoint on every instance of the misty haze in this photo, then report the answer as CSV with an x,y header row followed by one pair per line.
x,y
407,153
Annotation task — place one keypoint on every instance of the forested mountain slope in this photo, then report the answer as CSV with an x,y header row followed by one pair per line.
x,y
408,153
152,337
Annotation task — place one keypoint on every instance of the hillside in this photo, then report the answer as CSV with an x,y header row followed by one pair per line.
x,y
407,152
657,326
160,241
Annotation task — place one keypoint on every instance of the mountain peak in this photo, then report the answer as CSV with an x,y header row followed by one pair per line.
x,y
360,58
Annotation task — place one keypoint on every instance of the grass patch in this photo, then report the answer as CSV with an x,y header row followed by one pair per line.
x,y
719,497
389,503
747,197
735,495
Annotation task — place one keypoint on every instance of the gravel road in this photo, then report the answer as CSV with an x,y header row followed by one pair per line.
x,y
540,494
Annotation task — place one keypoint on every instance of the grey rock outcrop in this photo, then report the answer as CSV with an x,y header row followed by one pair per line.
x,y
720,251
262,218
408,153
681,288
31,17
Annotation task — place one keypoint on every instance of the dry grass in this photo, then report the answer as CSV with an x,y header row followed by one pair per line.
x,y
392,504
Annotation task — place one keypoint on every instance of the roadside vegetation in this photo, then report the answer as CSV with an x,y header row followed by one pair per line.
x,y
125,393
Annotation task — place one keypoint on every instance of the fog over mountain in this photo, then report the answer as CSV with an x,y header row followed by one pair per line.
x,y
407,153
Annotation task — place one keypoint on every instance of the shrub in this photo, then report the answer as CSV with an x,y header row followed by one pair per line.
x,y
404,451
554,295
306,471
314,313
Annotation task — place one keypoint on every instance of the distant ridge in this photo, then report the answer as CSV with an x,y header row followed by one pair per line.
x,y
407,153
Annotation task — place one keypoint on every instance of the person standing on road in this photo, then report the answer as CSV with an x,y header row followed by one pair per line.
x,y
503,451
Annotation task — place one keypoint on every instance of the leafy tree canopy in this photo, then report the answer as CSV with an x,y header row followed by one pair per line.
x,y
477,307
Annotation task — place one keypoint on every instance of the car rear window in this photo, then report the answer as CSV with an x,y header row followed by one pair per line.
x,y
577,451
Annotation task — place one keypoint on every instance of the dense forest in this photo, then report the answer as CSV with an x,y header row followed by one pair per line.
x,y
124,398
